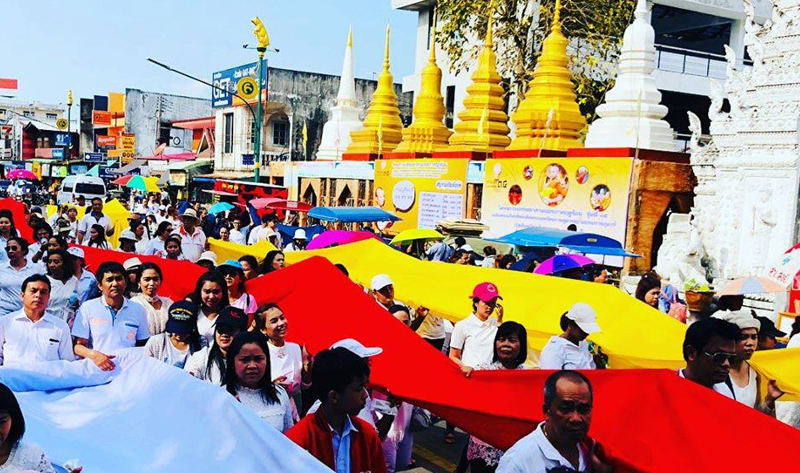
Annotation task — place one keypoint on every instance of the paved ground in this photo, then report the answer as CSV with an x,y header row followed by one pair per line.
x,y
433,454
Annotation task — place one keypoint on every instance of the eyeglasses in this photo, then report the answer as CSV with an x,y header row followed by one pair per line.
x,y
720,357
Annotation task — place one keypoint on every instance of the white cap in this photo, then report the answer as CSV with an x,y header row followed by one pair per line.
x,y
127,234
584,317
76,252
300,234
380,281
208,256
131,263
162,208
356,347
467,248
741,318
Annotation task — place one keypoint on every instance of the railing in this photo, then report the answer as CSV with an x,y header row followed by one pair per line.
x,y
696,63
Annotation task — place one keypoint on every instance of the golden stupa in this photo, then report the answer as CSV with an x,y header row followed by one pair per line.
x,y
427,133
483,124
382,125
549,117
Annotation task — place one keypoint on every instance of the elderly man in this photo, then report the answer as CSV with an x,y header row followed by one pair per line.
x,y
193,240
560,443
709,348
94,217
29,335
569,351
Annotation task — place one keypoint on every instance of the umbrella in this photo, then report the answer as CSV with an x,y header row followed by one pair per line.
x,y
263,202
559,263
121,181
414,234
338,237
219,207
22,174
281,204
751,285
144,184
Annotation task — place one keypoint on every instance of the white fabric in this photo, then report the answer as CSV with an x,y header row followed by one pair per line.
x,y
150,417
561,354
475,339
22,341
156,318
26,457
287,361
535,454
747,395
277,414
60,294
107,333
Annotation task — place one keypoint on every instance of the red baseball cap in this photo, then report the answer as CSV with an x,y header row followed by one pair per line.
x,y
486,292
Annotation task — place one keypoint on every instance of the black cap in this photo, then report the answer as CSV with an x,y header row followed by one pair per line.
x,y
182,317
234,317
768,328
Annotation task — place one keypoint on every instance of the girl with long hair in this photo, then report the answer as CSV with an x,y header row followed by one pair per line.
x,y
272,262
211,295
209,363
97,237
149,279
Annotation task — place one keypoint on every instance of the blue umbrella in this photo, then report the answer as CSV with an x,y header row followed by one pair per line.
x,y
220,207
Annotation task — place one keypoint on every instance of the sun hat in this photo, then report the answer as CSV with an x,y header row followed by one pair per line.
x,y
131,264
300,234
584,317
208,256
189,213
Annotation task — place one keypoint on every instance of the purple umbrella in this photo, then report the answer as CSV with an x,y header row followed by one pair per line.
x,y
559,263
338,237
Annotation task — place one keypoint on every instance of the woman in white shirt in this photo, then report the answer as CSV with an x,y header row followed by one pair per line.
x,y
97,237
247,377
63,286
180,340
156,245
157,307
233,272
16,455
211,295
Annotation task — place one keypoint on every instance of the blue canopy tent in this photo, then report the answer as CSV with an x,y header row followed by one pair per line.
x,y
589,243
287,232
352,214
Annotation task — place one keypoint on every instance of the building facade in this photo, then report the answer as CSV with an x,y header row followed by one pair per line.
x,y
15,115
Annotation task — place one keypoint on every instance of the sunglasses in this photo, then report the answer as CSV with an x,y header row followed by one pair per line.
x,y
12,248
225,330
720,357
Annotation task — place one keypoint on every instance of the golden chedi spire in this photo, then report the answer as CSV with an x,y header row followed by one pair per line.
x,y
427,133
549,117
483,124
382,125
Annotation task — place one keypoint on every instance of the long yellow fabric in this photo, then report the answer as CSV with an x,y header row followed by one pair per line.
x,y
226,250
783,366
113,209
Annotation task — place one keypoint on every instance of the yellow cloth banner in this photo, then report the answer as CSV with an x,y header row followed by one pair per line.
x,y
113,209
783,366
51,209
226,250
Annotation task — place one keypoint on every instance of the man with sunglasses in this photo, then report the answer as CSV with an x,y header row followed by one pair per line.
x,y
709,349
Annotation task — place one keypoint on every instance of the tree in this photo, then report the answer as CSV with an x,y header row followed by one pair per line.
x,y
594,28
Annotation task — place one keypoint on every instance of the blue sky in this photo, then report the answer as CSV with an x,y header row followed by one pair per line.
x,y
94,46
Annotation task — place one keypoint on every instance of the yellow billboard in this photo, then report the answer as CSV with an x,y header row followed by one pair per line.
x,y
589,193
420,191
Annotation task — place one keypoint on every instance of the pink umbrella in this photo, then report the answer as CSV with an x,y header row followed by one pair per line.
x,y
22,174
338,237
559,263
263,202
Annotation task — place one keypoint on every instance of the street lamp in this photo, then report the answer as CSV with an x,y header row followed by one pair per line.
x,y
263,43
68,151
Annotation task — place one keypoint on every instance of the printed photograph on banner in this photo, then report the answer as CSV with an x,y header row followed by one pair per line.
x,y
590,193
421,192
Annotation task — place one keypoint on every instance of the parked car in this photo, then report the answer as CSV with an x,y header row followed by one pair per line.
x,y
81,184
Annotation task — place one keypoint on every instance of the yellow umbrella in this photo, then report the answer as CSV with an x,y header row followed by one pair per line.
x,y
414,234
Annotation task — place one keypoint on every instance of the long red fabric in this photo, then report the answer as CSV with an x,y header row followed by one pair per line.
x,y
647,420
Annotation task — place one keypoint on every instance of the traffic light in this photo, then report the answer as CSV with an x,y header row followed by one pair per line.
x,y
261,33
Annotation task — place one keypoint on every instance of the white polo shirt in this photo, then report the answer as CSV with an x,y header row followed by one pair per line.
x,y
11,280
561,354
475,339
535,454
108,330
86,224
192,246
23,341
237,237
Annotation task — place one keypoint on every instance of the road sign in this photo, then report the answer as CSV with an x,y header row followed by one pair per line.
x,y
248,159
62,139
93,157
225,81
61,123
247,87
58,153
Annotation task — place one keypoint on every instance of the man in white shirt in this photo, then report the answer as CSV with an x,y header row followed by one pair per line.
x,y
193,240
94,217
709,348
111,321
29,335
570,351
472,342
560,443
236,232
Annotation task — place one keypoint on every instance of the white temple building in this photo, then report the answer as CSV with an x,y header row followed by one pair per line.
x,y
344,116
632,114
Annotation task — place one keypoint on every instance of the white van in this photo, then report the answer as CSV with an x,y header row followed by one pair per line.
x,y
81,184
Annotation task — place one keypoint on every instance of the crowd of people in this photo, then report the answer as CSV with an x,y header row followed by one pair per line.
x,y
53,307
